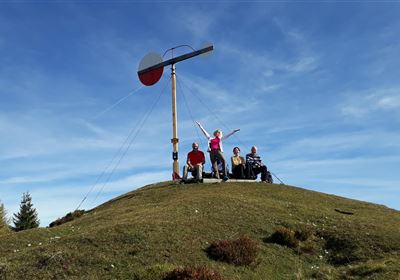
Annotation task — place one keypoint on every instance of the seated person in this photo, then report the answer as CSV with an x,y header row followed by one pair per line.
x,y
238,164
255,166
194,163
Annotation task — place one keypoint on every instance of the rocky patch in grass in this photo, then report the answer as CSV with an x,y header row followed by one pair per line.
x,y
242,251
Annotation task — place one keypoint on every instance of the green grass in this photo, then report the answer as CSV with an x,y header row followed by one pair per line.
x,y
151,231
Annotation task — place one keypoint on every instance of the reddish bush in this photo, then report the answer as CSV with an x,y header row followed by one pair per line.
x,y
67,218
242,251
193,273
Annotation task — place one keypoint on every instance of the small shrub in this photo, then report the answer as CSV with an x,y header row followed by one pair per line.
x,y
303,234
284,236
193,273
342,251
67,218
242,251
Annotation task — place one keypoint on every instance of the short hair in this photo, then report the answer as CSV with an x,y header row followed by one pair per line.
x,y
218,130
254,147
236,148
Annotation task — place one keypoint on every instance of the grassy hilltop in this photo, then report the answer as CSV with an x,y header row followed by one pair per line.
x,y
149,232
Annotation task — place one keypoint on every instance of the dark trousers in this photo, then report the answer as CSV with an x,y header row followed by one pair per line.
x,y
252,172
216,155
238,172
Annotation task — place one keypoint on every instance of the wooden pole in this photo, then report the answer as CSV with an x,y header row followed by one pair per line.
x,y
156,67
174,140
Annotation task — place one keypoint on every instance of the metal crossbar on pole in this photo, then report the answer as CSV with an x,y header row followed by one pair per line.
x,y
176,59
149,73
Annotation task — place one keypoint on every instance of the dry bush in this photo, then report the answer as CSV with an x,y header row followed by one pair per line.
x,y
67,218
193,273
303,234
284,236
242,251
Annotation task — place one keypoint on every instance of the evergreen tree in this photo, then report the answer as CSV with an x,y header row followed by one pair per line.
x,y
3,218
27,216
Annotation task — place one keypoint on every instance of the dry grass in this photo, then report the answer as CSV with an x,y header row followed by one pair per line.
x,y
242,251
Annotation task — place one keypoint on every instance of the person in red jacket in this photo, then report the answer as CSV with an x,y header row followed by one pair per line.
x,y
194,163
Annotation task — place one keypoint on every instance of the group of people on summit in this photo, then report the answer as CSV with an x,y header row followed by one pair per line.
x,y
242,168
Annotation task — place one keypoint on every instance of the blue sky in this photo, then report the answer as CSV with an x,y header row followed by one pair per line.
x,y
314,85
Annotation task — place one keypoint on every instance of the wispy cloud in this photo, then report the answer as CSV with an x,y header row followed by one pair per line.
x,y
363,103
267,88
326,131
300,63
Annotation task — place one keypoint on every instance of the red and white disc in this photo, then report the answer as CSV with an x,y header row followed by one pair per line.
x,y
151,77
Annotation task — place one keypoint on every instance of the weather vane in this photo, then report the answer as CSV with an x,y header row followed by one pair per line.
x,y
150,70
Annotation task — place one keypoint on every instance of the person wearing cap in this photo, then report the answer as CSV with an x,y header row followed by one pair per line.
x,y
255,166
215,149
194,163
238,164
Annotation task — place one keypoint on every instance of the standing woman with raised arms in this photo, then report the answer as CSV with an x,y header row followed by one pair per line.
x,y
216,150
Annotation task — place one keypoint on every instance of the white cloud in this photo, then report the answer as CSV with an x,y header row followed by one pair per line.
x,y
267,88
389,102
268,73
302,62
363,103
302,65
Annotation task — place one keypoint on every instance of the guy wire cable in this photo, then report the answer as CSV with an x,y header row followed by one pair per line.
x,y
190,113
141,124
104,171
117,102
211,111
273,174
116,154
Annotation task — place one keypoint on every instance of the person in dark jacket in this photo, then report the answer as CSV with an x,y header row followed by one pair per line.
x,y
255,166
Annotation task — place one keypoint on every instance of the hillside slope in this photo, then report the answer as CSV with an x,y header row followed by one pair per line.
x,y
148,232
